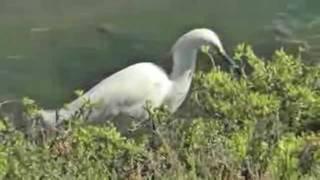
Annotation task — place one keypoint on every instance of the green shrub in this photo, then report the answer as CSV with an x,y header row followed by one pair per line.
x,y
262,124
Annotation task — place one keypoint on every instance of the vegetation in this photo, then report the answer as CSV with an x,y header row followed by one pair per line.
x,y
262,124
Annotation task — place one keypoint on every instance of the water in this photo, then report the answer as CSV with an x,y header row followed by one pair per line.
x,y
49,48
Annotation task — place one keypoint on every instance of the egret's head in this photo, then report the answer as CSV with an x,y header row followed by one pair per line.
x,y
198,38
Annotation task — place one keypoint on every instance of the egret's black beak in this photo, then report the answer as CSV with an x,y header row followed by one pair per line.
x,y
221,52
233,64
235,67
229,60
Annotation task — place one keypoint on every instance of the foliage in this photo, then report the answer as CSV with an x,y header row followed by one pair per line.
x,y
263,123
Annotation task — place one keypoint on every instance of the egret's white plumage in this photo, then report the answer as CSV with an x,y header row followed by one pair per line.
x,y
127,91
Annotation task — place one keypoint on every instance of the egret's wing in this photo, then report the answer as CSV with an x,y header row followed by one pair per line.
x,y
128,88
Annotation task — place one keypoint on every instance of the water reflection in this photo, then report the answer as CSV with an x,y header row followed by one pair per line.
x,y
298,27
49,48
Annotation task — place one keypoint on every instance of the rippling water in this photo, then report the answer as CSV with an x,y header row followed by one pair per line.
x,y
49,48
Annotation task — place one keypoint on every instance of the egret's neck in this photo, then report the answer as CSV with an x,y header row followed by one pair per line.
x,y
184,61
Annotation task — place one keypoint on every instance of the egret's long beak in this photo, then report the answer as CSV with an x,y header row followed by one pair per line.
x,y
233,64
207,50
229,60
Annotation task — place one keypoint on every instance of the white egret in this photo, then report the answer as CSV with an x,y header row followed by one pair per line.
x,y
127,91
